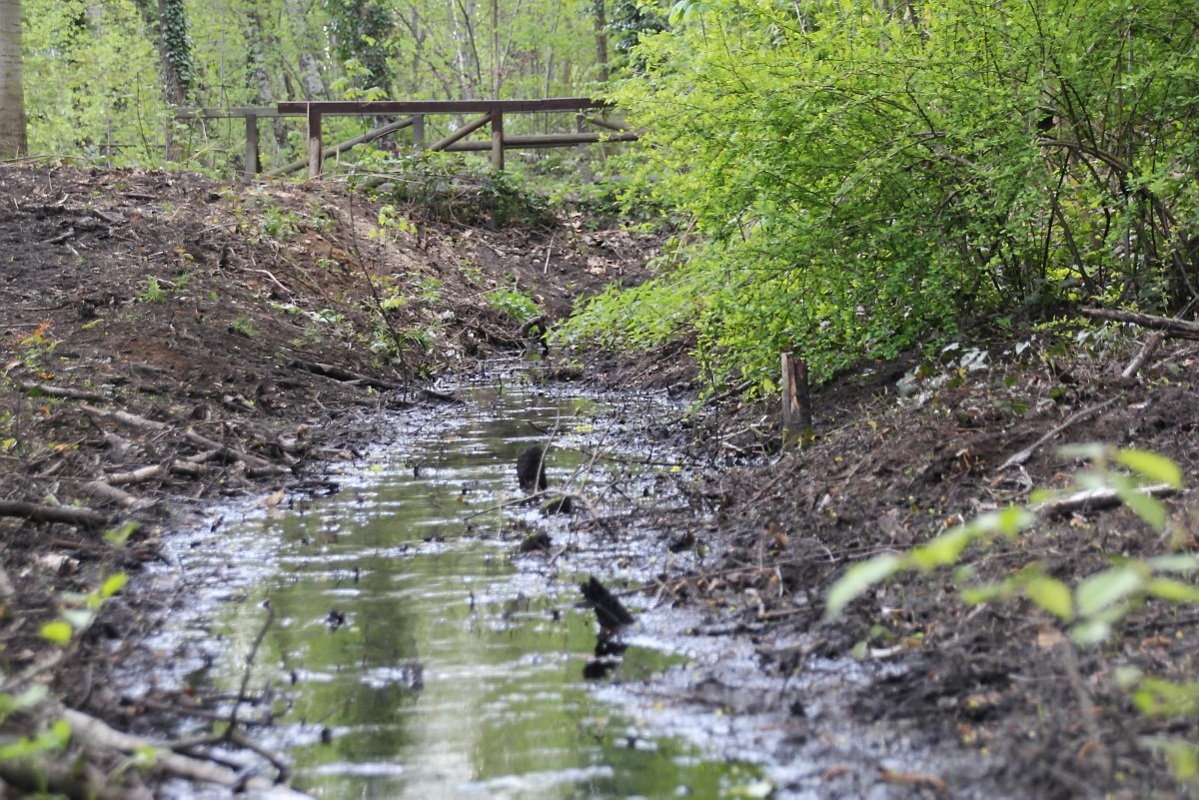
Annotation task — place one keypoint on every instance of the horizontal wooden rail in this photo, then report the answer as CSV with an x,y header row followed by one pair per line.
x,y
235,111
533,142
381,107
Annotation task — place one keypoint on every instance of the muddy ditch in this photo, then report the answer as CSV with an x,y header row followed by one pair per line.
x,y
417,630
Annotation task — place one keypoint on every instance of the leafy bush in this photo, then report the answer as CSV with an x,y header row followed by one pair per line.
x,y
862,180
515,304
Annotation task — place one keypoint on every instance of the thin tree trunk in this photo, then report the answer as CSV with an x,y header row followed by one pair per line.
x,y
12,93
601,39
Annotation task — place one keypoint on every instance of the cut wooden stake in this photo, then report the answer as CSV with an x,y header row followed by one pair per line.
x,y
797,401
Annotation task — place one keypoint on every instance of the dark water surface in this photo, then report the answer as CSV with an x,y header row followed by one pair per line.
x,y
413,652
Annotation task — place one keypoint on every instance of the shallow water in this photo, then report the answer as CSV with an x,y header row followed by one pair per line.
x,y
412,651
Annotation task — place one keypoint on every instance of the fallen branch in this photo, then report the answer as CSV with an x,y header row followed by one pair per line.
x,y
127,419
1175,327
77,516
105,491
1019,458
62,391
1095,499
344,375
233,454
89,731
142,475
1147,351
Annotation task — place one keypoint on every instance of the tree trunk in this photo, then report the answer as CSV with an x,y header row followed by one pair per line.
x,y
12,93
600,16
167,23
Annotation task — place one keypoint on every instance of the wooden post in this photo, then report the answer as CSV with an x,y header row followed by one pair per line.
x,y
497,139
315,150
418,131
584,164
251,168
797,402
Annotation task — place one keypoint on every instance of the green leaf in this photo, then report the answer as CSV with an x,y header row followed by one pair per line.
x,y
1176,562
24,701
858,578
1152,466
1175,591
1008,522
1183,757
1089,451
113,584
986,592
1051,595
118,536
1104,589
1092,632
1144,505
59,632
944,550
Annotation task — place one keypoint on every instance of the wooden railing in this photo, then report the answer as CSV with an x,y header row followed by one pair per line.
x,y
492,114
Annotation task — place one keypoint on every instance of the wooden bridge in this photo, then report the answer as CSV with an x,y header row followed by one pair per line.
x,y
490,113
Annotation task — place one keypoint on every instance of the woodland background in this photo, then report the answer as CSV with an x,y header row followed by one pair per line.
x,y
851,178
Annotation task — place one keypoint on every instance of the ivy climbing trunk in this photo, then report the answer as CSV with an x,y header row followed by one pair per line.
x,y
167,24
12,94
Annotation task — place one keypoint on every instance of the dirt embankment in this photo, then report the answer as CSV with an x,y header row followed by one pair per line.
x,y
165,338
900,460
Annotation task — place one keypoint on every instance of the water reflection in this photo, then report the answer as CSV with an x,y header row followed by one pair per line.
x,y
419,653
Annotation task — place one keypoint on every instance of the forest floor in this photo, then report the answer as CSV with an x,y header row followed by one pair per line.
x,y
167,340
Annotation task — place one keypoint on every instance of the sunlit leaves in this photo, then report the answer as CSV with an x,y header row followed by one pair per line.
x,y
1151,466
1051,595
52,739
12,703
59,632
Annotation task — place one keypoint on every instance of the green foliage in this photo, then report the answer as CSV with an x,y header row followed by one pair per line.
x,y
153,292
1094,607
94,73
514,303
91,87
81,610
245,326
78,613
1099,601
865,180
443,186
53,739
